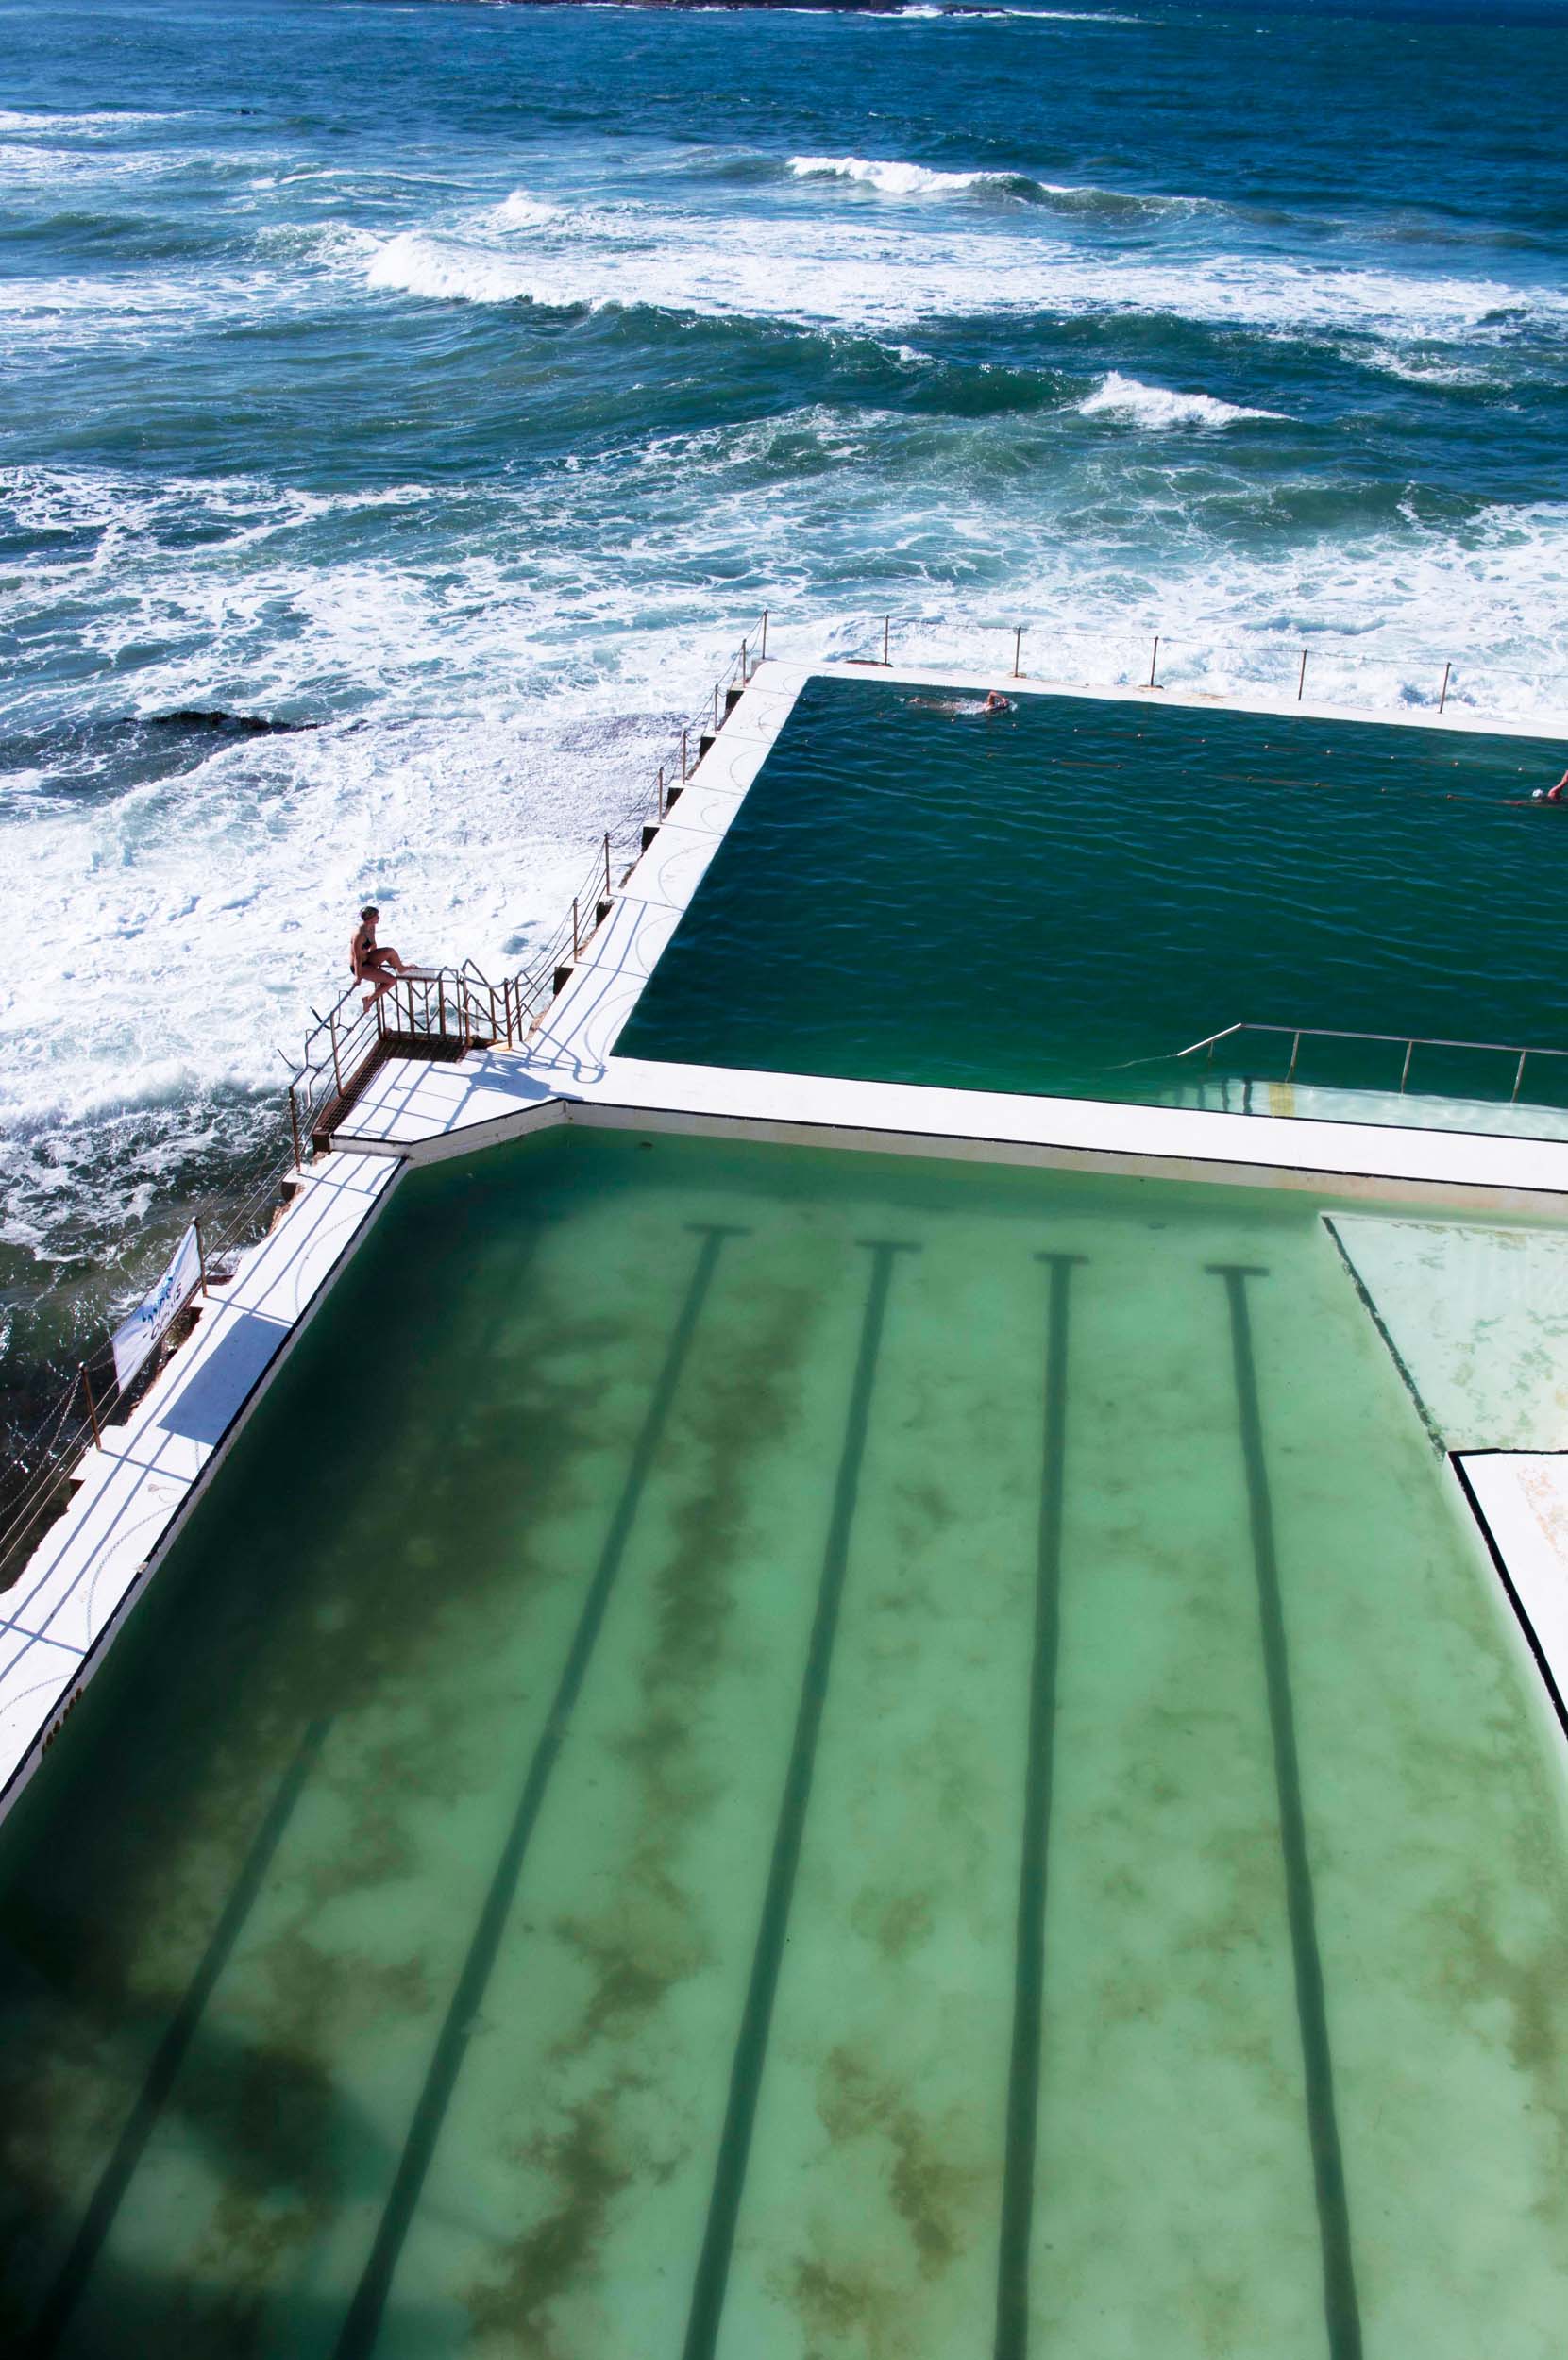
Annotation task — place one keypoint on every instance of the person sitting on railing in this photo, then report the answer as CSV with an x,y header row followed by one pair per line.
x,y
374,963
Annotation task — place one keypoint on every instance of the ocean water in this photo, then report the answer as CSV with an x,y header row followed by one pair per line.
x,y
453,382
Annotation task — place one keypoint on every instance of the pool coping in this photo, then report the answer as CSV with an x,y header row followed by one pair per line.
x,y
136,1490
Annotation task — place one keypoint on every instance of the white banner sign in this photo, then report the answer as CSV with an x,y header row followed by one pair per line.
x,y
136,1336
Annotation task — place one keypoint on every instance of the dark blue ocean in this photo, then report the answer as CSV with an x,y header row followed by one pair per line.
x,y
455,382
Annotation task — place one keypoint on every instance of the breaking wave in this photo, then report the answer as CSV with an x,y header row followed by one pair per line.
x,y
1157,407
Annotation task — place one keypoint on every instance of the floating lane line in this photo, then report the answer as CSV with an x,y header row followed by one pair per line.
x,y
750,2056
362,2321
60,2303
1017,2184
1342,2310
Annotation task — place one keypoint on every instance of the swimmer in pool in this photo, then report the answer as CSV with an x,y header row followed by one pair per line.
x,y
963,708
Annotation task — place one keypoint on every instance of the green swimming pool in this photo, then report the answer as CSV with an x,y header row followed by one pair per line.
x,y
1057,899
775,1756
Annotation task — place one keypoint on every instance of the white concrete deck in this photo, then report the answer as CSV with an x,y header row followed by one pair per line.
x,y
1521,1502
133,1493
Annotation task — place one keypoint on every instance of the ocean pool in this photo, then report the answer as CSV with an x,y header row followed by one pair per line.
x,y
1059,898
762,1752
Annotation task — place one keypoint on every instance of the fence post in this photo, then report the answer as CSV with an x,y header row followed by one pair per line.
x,y
1444,697
1154,660
1018,649
294,1126
1300,675
92,1405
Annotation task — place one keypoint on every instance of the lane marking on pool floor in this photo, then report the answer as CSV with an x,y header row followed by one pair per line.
x,y
362,2322
750,2056
1023,2079
1342,2309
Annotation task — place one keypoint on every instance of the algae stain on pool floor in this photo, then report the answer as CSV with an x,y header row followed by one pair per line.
x,y
572,2156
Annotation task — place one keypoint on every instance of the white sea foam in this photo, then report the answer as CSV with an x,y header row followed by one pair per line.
x,y
881,274
894,179
1154,406
91,123
522,212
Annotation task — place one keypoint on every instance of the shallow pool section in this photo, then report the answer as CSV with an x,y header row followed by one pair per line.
x,y
1059,898
768,1755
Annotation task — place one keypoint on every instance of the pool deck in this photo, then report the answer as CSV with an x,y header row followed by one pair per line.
x,y
133,1495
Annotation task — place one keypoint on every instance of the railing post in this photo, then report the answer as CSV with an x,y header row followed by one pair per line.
x,y
441,1002
294,1126
1296,1052
1405,1068
684,734
333,1031
1154,660
1518,1076
1442,699
745,675
607,864
715,705
1018,649
1300,675
201,1256
762,652
506,1008
660,805
886,637
576,947
92,1405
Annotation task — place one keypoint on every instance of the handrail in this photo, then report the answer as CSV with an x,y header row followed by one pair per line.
x,y
1409,1042
1140,665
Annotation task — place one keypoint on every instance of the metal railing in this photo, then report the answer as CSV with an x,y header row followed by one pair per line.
x,y
1144,660
1409,1042
436,1012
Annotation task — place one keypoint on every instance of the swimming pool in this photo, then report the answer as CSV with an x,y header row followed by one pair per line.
x,y
1059,898
769,1753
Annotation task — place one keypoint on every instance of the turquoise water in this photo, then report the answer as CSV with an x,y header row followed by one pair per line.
x,y
1060,897
838,1757
453,383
